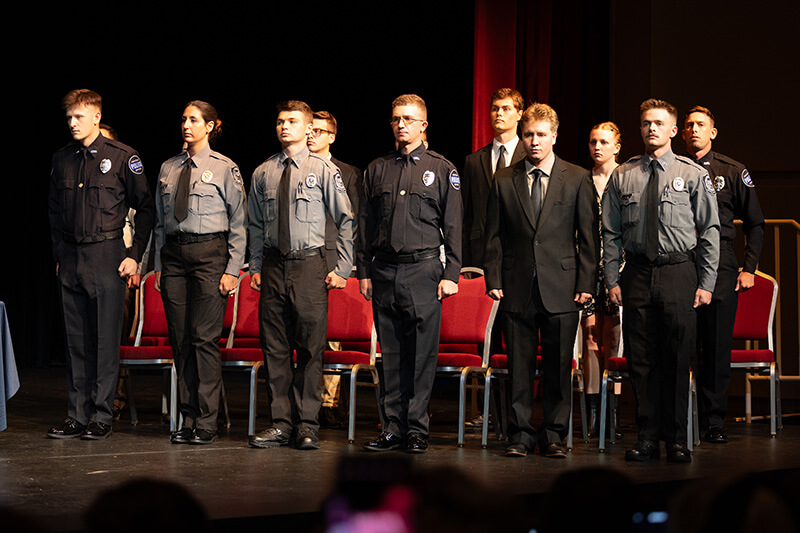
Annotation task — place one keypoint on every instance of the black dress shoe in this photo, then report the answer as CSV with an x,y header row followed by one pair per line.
x,y
716,435
203,436
182,436
678,453
270,438
555,450
69,429
96,431
516,449
416,443
643,450
383,443
307,439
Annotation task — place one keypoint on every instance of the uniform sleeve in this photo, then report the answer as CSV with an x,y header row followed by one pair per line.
x,y
140,198
159,232
748,209
255,224
236,206
341,211
612,231
54,213
706,220
367,228
452,222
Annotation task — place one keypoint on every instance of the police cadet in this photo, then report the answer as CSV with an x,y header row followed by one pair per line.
x,y
412,207
94,181
289,196
736,198
200,245
659,208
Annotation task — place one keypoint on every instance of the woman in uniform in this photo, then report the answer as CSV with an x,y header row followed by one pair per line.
x,y
200,244
600,321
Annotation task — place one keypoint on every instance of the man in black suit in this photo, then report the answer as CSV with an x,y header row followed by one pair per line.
x,y
479,168
323,134
540,263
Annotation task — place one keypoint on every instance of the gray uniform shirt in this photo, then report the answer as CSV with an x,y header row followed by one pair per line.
x,y
216,203
316,186
688,214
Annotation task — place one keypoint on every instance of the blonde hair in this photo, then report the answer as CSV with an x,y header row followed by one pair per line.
x,y
537,112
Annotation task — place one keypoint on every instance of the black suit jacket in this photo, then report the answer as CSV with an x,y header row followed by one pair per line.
x,y
561,243
354,184
476,182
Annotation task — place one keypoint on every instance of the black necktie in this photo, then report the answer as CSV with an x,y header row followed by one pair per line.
x,y
501,159
182,192
536,193
78,219
651,214
284,206
399,218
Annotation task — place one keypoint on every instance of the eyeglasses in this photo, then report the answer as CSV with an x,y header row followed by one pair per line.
x,y
316,132
407,120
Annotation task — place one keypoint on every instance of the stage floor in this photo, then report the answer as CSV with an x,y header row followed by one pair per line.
x,y
55,480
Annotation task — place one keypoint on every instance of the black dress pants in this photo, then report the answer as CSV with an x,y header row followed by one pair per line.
x,y
659,336
293,319
92,299
715,336
195,310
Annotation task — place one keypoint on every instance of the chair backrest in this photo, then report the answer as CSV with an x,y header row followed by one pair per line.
x,y
245,312
756,310
349,314
468,315
152,319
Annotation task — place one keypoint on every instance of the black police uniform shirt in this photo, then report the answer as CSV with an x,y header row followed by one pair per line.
x,y
736,198
109,182
434,214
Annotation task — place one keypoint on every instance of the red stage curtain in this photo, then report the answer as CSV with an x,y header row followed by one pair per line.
x,y
512,49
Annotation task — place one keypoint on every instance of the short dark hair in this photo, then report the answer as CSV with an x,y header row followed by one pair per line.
x,y
327,117
704,110
82,97
505,92
297,105
654,103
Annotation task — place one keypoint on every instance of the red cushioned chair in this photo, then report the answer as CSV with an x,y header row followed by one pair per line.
x,y
467,319
151,349
498,368
755,315
350,323
616,371
243,351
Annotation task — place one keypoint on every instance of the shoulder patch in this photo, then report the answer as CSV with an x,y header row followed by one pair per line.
x,y
338,182
708,185
237,176
455,181
135,164
746,179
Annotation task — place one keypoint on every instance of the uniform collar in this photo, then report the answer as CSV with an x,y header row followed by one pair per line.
x,y
200,156
93,148
664,161
414,156
298,158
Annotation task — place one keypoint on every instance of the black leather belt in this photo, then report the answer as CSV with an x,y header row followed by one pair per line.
x,y
94,237
293,255
396,259
671,258
193,238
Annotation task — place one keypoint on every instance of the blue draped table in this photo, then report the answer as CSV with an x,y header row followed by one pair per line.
x,y
9,380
